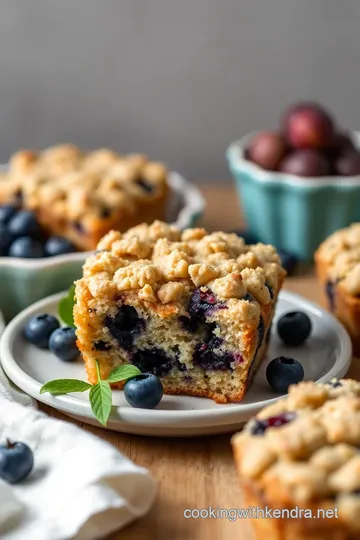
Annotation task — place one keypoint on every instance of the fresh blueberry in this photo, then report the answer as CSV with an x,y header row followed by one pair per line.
x,y
16,462
24,223
294,328
62,343
288,260
6,213
57,245
5,240
144,391
282,372
27,248
39,328
258,427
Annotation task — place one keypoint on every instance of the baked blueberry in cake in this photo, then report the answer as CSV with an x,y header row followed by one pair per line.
x,y
190,307
82,195
303,453
338,268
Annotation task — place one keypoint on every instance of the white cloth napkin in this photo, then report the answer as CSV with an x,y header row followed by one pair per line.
x,y
13,393
81,486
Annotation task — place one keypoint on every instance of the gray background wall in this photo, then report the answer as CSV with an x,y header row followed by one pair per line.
x,y
178,79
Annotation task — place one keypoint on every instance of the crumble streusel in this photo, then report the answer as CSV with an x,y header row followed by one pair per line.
x,y
338,268
191,307
83,195
303,452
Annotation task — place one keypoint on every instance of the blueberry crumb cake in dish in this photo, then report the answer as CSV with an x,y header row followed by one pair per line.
x,y
303,452
82,195
338,268
193,308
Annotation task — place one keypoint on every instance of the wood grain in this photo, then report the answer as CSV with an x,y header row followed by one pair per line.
x,y
195,473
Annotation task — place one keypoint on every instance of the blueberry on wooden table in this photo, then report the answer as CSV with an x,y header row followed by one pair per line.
x,y
62,343
39,328
282,372
294,328
144,391
16,461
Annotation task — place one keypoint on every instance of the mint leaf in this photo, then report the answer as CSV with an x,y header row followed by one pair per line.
x,y
66,306
65,386
121,373
101,401
100,394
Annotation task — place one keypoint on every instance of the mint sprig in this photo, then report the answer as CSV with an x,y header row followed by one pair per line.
x,y
121,373
101,401
66,307
65,386
100,394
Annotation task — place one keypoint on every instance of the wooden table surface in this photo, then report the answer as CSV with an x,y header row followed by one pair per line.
x,y
195,473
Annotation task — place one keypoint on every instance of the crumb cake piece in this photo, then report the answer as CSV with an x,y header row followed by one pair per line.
x,y
338,268
82,195
303,453
193,308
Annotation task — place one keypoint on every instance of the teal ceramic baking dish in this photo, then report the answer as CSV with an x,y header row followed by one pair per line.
x,y
24,281
292,212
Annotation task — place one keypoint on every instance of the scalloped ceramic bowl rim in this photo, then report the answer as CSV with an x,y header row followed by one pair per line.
x,y
235,155
194,207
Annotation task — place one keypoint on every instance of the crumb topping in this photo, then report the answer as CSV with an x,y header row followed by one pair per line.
x,y
312,455
161,264
80,184
341,253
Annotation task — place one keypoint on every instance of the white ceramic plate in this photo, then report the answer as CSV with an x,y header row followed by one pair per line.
x,y
326,354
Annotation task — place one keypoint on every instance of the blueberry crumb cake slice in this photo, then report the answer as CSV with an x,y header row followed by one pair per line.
x,y
303,453
193,308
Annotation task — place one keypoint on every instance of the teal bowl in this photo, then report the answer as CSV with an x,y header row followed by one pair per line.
x,y
292,212
24,281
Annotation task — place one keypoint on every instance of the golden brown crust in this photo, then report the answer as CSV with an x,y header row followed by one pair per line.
x,y
82,195
155,271
295,529
302,452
